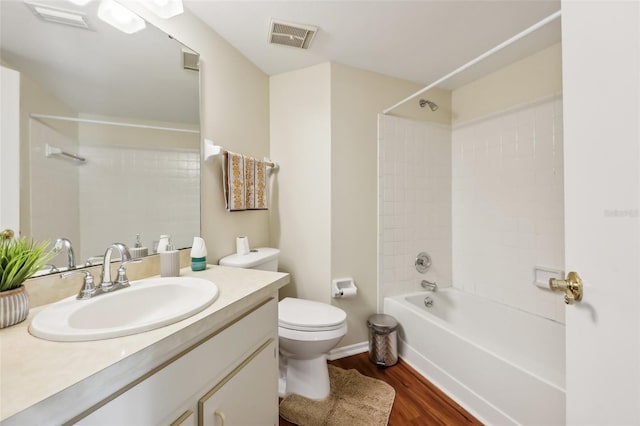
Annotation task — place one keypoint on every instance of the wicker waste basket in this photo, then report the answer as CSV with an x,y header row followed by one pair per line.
x,y
383,340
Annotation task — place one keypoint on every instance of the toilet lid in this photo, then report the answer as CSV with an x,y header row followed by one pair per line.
x,y
307,315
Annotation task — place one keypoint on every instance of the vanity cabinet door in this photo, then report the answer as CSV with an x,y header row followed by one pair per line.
x,y
247,396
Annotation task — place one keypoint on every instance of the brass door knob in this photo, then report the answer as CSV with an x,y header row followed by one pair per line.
x,y
572,287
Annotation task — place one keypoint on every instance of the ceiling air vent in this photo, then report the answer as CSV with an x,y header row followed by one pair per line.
x,y
290,34
190,60
58,15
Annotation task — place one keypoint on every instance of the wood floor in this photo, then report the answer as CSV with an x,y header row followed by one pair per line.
x,y
417,402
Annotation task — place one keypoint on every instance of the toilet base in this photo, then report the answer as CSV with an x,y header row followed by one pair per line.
x,y
305,377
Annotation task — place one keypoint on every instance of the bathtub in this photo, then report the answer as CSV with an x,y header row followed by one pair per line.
x,y
503,365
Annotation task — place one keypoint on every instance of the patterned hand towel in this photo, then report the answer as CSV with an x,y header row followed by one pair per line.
x,y
261,186
234,182
249,180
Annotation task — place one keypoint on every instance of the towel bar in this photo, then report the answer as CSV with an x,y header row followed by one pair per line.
x,y
50,151
212,150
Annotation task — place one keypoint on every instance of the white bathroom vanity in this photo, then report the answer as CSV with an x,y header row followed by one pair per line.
x,y
205,368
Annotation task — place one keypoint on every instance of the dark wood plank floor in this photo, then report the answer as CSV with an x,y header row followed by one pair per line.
x,y
417,402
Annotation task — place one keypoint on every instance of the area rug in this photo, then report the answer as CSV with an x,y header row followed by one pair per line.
x,y
355,400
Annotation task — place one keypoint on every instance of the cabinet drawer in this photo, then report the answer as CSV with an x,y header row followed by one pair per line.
x,y
163,396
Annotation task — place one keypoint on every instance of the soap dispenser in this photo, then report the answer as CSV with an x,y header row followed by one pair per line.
x,y
137,250
169,259
163,243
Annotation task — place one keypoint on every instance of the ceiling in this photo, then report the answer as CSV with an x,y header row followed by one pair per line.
x,y
419,41
100,71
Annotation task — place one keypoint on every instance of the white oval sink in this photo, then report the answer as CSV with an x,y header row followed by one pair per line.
x,y
146,305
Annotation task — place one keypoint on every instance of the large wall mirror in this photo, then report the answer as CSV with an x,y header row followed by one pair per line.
x,y
126,104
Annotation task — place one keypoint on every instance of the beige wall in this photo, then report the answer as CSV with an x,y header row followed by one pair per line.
x,y
234,113
300,104
535,77
357,97
324,134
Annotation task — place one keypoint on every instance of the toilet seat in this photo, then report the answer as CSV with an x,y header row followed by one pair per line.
x,y
309,316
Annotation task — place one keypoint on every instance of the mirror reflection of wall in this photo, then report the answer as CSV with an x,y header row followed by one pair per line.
x,y
141,174
133,181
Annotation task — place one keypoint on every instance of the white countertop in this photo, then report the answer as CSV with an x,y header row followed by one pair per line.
x,y
46,382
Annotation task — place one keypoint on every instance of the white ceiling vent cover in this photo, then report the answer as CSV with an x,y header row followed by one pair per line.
x,y
59,15
290,34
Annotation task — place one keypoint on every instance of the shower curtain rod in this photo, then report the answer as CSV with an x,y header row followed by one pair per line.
x,y
111,123
490,52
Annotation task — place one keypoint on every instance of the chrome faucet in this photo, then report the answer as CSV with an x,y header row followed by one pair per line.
x,y
89,290
65,243
429,286
106,284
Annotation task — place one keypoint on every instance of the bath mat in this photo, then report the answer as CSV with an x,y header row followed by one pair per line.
x,y
355,400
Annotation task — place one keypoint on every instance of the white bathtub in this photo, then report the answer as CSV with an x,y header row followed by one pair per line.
x,y
504,365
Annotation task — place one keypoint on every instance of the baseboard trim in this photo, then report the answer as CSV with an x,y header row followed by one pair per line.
x,y
345,351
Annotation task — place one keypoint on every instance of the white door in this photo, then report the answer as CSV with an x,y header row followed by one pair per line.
x,y
9,149
601,73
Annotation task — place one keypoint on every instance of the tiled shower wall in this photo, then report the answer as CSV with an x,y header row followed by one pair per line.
x,y
485,200
414,174
149,192
508,208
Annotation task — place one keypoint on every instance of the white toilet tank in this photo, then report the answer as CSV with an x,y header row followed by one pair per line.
x,y
263,258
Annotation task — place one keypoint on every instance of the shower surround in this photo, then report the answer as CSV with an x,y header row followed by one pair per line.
x,y
484,198
414,172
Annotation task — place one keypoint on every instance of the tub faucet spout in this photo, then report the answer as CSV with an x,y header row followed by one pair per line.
x,y
429,286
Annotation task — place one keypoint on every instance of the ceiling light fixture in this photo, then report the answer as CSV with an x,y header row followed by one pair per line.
x,y
120,17
79,2
164,8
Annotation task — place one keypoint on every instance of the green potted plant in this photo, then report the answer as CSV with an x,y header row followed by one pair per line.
x,y
20,258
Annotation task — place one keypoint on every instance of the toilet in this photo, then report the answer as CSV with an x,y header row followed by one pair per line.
x,y
307,331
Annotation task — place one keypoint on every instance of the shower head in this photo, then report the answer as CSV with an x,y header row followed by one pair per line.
x,y
432,105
